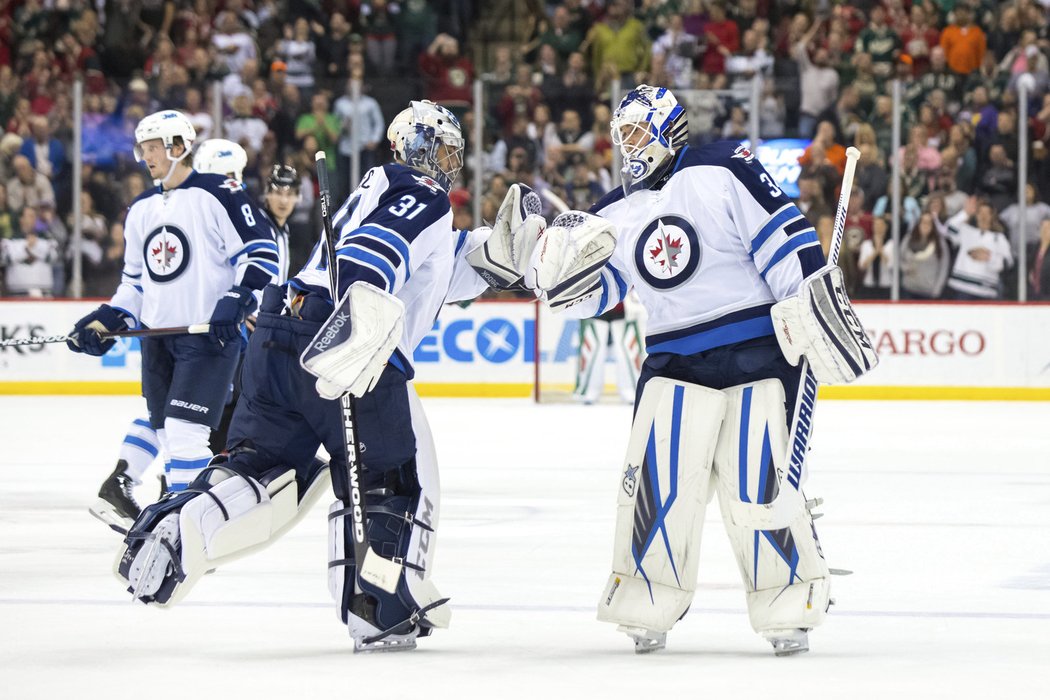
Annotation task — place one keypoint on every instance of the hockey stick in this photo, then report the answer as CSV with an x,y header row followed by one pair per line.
x,y
778,513
371,567
196,329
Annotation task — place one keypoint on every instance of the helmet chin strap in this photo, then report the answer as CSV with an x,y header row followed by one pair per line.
x,y
174,162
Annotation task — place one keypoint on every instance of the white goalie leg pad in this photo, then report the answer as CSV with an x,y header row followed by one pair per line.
x,y
502,258
820,324
780,559
567,263
236,517
353,345
660,506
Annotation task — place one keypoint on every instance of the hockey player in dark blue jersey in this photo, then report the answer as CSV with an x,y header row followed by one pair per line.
x,y
195,252
399,260
736,291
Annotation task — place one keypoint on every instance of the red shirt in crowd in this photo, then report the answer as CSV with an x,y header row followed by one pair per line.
x,y
447,82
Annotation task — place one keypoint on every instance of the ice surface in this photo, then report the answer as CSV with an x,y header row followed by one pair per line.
x,y
941,509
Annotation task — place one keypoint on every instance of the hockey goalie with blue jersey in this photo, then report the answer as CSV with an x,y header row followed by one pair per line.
x,y
744,318
399,260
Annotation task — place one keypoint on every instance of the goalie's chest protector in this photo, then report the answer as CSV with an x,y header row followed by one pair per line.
x,y
685,248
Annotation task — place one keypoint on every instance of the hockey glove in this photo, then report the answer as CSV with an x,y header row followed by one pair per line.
x,y
87,333
230,312
820,324
502,258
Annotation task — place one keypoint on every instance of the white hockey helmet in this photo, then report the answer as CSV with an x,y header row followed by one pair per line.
x,y
221,157
649,127
417,135
165,125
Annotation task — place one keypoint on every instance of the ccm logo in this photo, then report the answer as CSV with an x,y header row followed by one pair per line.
x,y
919,342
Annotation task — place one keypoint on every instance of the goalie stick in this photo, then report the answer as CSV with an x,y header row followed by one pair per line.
x,y
779,512
196,329
371,567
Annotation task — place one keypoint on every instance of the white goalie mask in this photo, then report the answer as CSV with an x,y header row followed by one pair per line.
x,y
221,157
165,125
427,137
649,127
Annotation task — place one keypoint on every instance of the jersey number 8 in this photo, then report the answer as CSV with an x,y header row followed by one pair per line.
x,y
249,218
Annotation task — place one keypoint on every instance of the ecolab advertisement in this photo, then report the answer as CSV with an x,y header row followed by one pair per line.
x,y
490,349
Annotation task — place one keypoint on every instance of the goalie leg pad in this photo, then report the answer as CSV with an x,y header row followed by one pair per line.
x,y
403,507
660,506
222,517
766,517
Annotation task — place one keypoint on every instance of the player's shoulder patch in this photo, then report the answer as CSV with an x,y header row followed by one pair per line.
x,y
403,181
743,164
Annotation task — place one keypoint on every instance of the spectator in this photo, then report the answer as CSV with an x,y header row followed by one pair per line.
x,y
542,131
983,253
299,54
1036,213
448,76
819,83
1039,277
811,200
832,151
333,49
877,261
244,127
561,35
365,124
1007,34
197,114
927,158
27,257
938,77
843,115
28,187
519,98
964,43
723,40
233,44
953,198
103,262
619,39
998,182
416,33
45,153
574,90
1027,58
736,127
7,218
919,39
881,42
772,111
872,175
321,124
925,260
380,37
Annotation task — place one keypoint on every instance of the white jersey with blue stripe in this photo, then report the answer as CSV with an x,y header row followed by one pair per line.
x,y
709,250
395,232
185,247
280,236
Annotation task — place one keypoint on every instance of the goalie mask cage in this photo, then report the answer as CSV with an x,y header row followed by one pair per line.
x,y
556,357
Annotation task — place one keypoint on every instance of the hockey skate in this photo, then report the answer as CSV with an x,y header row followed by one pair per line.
x,y
645,641
788,642
116,504
368,638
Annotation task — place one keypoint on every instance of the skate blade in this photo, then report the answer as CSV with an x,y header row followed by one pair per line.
x,y
385,645
645,641
105,512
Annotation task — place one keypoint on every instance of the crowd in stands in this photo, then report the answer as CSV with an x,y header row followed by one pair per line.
x,y
277,76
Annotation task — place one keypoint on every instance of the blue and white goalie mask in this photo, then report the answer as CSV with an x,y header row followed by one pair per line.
x,y
648,127
427,137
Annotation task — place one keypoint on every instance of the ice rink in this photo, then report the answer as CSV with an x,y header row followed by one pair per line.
x,y
941,510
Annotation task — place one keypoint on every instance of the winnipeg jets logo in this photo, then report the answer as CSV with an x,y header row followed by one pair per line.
x,y
630,480
232,185
743,153
428,182
166,253
668,252
665,254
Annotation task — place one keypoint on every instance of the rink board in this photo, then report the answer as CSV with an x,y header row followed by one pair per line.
x,y
928,351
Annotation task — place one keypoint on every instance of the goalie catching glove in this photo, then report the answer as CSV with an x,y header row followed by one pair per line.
x,y
352,347
566,266
502,258
819,322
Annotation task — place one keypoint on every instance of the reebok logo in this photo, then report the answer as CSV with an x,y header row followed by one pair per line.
x,y
179,403
331,332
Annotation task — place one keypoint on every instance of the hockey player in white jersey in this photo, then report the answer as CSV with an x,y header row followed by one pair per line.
x,y
194,252
399,260
734,284
616,333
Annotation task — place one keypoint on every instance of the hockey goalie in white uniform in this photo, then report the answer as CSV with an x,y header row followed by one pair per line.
x,y
744,318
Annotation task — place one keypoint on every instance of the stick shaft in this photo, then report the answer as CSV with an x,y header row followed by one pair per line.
x,y
136,333
852,154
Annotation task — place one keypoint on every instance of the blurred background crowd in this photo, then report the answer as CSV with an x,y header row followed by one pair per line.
x,y
275,75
